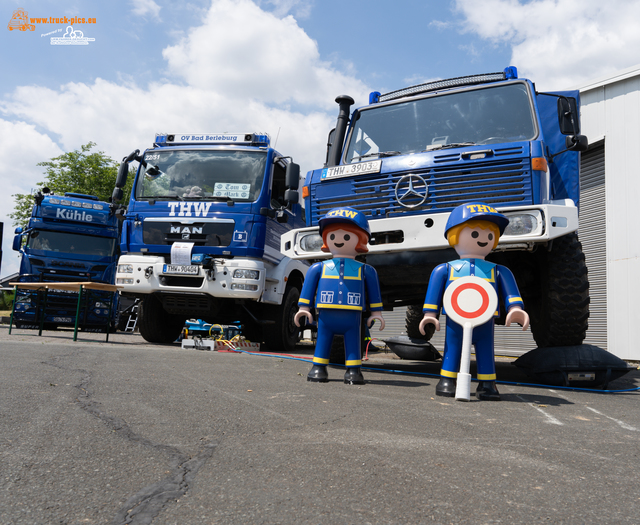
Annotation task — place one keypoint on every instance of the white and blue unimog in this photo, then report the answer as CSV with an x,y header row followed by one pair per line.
x,y
409,157
201,236
69,238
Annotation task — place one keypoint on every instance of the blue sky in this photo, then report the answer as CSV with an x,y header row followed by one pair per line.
x,y
267,65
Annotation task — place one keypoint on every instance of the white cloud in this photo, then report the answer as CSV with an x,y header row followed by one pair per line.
x,y
146,7
301,9
21,149
559,43
242,50
242,70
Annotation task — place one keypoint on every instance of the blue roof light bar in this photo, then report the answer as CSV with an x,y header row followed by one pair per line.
x,y
243,139
508,74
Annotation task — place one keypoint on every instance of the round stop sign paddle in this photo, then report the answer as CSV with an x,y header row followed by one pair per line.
x,y
469,301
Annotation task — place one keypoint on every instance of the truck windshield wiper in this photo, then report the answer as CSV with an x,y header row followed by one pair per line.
x,y
378,154
433,147
156,197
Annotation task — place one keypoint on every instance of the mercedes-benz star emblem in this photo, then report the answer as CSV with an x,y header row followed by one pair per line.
x,y
411,191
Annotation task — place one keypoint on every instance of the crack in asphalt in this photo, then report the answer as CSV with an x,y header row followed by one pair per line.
x,y
147,503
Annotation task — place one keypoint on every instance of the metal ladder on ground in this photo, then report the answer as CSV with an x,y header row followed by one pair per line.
x,y
133,319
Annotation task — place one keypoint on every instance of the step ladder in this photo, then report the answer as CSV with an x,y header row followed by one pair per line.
x,y
133,319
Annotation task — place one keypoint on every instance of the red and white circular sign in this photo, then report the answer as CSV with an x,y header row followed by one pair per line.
x,y
470,300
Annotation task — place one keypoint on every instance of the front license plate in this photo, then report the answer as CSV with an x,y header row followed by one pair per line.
x,y
63,319
179,269
351,170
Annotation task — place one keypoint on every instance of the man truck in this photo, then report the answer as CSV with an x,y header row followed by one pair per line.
x,y
201,236
69,238
411,156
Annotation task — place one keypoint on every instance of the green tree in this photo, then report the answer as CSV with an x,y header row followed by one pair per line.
x,y
78,171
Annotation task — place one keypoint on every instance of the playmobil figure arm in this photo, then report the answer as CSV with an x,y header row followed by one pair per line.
x,y
517,315
374,295
308,293
512,299
433,299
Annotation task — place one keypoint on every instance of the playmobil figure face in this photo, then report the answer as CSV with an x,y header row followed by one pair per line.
x,y
476,241
474,229
344,240
354,225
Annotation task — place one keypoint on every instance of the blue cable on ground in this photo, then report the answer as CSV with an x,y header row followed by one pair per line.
x,y
427,374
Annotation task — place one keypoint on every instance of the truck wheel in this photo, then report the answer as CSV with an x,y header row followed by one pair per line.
x,y
283,334
155,324
559,316
412,323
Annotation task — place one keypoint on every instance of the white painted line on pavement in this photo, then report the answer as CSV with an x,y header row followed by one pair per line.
x,y
621,423
549,418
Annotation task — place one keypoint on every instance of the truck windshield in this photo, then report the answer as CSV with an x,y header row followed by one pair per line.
x,y
480,116
202,174
71,243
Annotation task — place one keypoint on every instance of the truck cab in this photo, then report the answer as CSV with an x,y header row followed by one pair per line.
x,y
201,236
409,157
69,238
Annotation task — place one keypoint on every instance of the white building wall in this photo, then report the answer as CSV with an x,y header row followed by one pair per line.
x,y
611,109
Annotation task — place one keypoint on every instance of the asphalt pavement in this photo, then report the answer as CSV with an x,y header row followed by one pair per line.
x,y
129,432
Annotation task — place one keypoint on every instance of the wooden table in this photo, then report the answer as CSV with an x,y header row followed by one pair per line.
x,y
70,287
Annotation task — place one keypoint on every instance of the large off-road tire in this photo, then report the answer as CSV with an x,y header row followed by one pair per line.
x,y
157,325
283,334
560,313
412,323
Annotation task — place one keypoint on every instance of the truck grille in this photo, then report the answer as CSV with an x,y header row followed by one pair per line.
x,y
503,179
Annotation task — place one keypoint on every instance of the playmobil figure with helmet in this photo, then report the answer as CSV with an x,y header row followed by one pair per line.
x,y
343,288
473,230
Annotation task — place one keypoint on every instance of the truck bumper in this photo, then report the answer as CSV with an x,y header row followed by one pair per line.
x,y
536,224
143,274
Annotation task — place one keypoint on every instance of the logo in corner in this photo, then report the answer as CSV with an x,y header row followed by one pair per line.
x,y
71,38
20,21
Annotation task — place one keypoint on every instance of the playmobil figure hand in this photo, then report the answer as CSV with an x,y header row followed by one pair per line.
x,y
426,320
517,315
374,316
304,311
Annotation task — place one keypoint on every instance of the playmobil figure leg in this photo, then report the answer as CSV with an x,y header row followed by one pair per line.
x,y
318,372
349,325
452,350
485,361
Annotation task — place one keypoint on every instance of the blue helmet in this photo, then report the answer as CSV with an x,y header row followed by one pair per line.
x,y
344,214
476,211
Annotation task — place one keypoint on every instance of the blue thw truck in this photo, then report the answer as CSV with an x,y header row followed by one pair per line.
x,y
201,236
409,157
71,238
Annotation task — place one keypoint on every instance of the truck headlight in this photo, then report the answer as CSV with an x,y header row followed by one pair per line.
x,y
522,224
246,274
120,280
125,268
311,242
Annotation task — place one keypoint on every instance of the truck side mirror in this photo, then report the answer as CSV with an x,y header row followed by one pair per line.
x,y
17,240
568,116
292,177
123,173
117,195
577,143
291,196
332,134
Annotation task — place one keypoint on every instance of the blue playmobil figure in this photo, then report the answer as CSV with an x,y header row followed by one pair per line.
x,y
343,288
473,230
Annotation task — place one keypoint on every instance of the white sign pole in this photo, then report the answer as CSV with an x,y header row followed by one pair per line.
x,y
470,302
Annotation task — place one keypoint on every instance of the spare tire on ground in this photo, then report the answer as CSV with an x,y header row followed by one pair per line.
x,y
413,349
585,366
